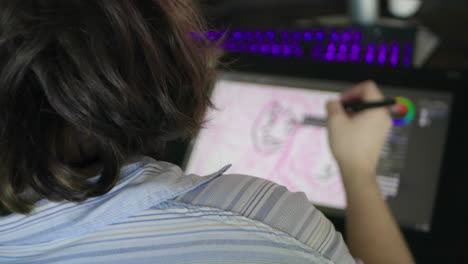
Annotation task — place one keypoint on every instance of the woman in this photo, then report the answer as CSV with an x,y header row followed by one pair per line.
x,y
91,91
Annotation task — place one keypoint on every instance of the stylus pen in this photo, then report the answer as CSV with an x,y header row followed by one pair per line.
x,y
359,106
350,108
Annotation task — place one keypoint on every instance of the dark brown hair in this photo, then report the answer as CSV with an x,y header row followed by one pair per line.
x,y
122,77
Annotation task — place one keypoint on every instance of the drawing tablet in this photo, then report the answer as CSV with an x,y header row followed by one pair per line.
x,y
257,128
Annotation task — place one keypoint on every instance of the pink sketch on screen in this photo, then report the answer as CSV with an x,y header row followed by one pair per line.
x,y
272,128
257,129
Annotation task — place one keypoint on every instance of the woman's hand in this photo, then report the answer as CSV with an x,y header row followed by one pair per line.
x,y
356,140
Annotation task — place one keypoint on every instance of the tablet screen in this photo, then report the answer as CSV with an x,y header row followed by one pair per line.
x,y
275,128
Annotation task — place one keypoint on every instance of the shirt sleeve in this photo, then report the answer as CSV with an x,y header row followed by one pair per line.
x,y
272,204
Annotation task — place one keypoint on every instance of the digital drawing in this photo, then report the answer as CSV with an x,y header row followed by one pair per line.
x,y
256,128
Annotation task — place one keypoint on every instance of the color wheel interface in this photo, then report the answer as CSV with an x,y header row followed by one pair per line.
x,y
404,112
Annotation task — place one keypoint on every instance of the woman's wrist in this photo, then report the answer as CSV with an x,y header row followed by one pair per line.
x,y
356,178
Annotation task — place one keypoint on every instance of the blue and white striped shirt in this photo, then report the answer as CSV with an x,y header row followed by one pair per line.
x,y
157,214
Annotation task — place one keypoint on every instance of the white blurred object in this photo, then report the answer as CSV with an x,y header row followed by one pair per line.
x,y
364,12
426,42
404,8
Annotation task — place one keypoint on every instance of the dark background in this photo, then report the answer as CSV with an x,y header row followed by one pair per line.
x,y
446,70
446,18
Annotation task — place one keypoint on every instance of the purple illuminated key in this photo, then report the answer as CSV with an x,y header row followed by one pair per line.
x,y
265,49
334,36
382,57
297,36
383,48
357,36
331,48
408,48
343,49
213,35
287,50
298,52
308,36
317,51
237,36
407,55
407,61
254,48
341,57
370,58
355,48
342,53
258,35
320,35
353,57
394,60
346,36
243,47
276,50
232,47
370,54
248,35
329,56
395,55
285,36
270,35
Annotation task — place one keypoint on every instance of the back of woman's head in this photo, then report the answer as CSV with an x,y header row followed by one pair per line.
x,y
122,76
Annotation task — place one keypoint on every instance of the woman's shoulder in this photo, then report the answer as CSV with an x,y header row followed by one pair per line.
x,y
272,204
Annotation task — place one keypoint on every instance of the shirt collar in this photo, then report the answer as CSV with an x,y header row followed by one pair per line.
x,y
144,183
